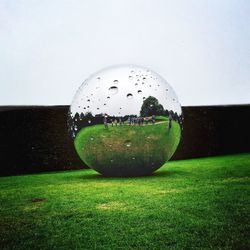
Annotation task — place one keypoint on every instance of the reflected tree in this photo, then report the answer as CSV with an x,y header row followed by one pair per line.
x,y
151,106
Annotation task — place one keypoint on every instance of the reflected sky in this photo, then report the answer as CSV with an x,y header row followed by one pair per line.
x,y
120,90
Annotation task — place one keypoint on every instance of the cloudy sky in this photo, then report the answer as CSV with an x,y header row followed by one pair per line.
x,y
48,48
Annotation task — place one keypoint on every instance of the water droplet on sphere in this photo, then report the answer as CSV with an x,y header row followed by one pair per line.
x,y
128,144
129,96
113,90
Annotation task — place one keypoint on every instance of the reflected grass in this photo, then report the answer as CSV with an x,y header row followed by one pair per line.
x,y
128,150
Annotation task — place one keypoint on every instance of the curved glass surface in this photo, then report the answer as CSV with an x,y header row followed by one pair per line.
x,y
125,121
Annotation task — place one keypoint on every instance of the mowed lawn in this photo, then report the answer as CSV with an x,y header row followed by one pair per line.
x,y
189,204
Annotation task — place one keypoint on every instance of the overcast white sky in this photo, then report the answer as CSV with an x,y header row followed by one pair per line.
x,y
201,47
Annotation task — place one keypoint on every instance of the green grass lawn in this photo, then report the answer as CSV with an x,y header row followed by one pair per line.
x,y
199,203
127,150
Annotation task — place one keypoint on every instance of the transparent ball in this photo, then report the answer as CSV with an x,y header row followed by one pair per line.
x,y
125,121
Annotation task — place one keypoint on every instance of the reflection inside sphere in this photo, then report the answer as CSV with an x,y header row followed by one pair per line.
x,y
125,121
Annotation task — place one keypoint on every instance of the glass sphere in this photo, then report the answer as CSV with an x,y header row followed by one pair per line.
x,y
125,120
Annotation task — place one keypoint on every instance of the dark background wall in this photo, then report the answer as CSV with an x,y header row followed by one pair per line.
x,y
35,139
